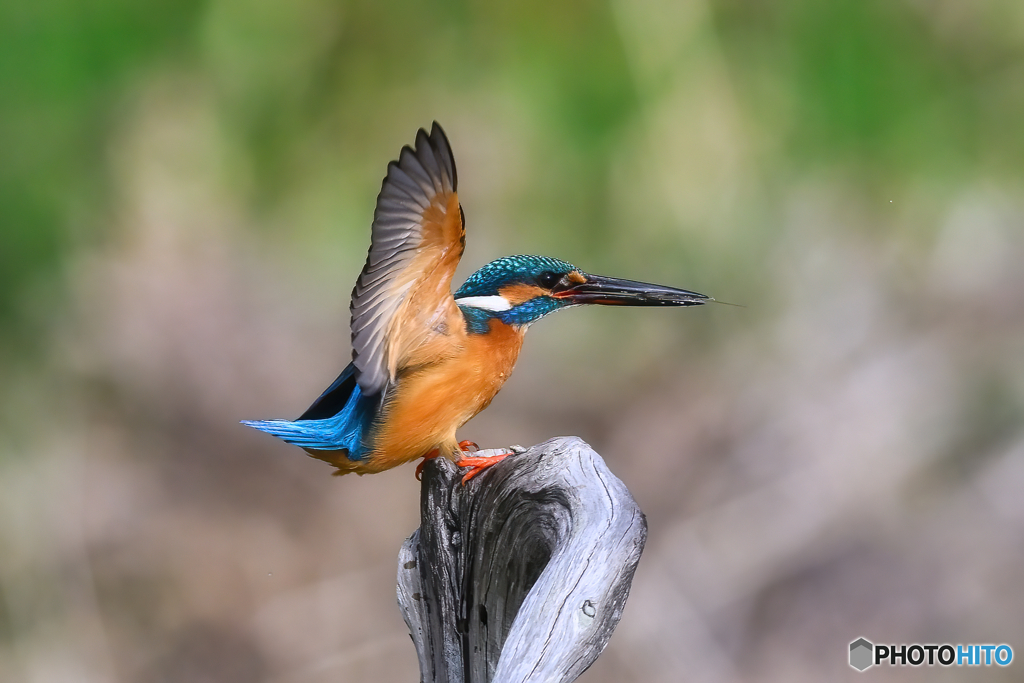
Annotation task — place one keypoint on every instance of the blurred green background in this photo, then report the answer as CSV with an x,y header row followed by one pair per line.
x,y
186,190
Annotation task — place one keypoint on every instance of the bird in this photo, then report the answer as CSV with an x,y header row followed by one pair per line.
x,y
425,361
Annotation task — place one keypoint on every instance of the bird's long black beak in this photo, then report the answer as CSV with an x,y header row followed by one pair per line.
x,y
611,291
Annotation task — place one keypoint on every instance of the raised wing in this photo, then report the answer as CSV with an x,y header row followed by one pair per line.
x,y
403,295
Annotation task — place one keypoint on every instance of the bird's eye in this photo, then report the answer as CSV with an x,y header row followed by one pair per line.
x,y
548,279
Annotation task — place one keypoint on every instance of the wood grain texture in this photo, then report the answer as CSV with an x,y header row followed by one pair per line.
x,y
522,574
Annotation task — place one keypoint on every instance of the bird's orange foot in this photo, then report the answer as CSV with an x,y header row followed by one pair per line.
x,y
429,456
464,446
478,464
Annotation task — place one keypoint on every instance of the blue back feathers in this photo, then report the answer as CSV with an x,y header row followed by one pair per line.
x,y
339,420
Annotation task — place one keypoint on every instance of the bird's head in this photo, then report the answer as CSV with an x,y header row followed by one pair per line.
x,y
519,290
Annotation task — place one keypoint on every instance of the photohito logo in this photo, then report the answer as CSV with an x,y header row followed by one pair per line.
x,y
865,654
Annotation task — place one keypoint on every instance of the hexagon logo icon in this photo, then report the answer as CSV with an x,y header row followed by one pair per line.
x,y
861,654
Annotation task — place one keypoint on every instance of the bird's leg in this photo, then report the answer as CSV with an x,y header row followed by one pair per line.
x,y
429,456
478,464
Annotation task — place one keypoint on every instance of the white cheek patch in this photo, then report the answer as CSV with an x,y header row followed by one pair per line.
x,y
487,303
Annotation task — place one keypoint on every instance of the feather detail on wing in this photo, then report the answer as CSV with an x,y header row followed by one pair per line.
x,y
403,295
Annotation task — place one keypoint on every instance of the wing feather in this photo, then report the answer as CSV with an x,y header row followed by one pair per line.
x,y
416,242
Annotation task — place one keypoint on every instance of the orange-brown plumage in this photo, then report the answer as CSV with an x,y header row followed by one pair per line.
x,y
432,401
419,330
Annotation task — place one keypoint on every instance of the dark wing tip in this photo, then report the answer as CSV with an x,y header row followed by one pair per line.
x,y
443,149
430,157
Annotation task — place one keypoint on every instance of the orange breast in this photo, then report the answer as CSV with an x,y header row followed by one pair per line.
x,y
431,402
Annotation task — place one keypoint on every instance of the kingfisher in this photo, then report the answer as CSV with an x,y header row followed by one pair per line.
x,y
425,362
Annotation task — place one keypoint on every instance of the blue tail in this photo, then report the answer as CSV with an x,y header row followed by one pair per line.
x,y
339,420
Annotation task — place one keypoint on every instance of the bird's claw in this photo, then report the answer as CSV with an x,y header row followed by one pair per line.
x,y
429,456
478,463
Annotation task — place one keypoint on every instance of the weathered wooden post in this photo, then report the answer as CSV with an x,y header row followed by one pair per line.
x,y
522,574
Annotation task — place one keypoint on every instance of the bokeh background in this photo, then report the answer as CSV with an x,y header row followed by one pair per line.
x,y
186,190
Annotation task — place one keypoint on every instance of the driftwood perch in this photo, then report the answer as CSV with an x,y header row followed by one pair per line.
x,y
522,574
